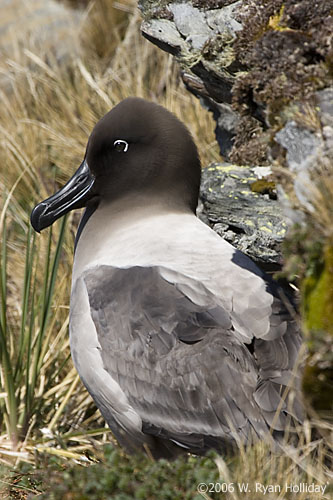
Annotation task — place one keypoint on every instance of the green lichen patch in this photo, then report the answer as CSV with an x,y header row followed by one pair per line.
x,y
318,296
264,186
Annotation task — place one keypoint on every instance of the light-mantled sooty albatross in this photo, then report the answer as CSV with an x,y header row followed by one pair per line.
x,y
182,342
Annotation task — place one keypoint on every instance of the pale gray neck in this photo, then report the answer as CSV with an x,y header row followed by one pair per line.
x,y
121,227
128,210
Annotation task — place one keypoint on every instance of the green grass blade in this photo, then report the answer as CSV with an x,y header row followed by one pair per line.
x,y
7,377
26,295
3,278
29,394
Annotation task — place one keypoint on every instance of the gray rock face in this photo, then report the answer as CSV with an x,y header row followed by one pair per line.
x,y
240,204
197,27
301,150
201,39
309,151
300,144
191,24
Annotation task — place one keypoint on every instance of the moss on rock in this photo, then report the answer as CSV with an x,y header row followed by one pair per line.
x,y
264,186
287,48
318,296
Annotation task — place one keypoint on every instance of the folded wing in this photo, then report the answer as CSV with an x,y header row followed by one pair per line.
x,y
182,361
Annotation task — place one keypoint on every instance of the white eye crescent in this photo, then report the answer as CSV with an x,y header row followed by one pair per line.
x,y
120,146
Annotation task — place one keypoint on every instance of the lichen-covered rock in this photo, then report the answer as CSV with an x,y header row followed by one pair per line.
x,y
248,60
306,149
200,35
240,204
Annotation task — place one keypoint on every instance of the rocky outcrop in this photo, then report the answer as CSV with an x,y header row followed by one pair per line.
x,y
248,61
200,36
240,204
252,207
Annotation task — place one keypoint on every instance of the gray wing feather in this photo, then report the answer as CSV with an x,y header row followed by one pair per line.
x,y
182,365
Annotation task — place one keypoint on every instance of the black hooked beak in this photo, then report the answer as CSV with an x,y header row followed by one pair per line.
x,y
75,194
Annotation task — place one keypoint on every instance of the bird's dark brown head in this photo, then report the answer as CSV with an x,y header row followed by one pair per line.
x,y
137,148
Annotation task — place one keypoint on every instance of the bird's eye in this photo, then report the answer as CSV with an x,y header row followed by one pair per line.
x,y
120,146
